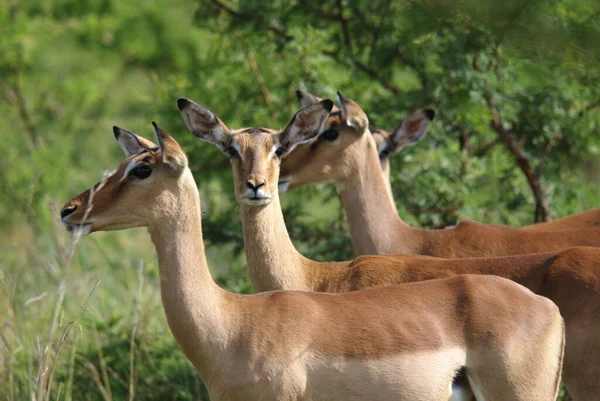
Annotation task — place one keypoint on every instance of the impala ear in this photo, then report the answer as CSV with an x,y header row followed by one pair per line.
x,y
381,139
203,123
306,98
130,142
411,130
171,153
353,115
306,124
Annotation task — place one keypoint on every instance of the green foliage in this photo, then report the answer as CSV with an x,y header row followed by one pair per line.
x,y
161,370
69,70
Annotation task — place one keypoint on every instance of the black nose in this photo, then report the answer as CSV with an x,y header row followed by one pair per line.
x,y
67,210
254,186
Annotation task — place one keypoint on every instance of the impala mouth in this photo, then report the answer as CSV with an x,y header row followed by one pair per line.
x,y
76,228
283,186
256,200
81,229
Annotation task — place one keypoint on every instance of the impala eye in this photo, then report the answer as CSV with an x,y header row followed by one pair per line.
x,y
384,153
280,152
231,152
141,172
330,135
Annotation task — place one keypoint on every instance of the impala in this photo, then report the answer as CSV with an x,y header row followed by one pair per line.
x,y
402,342
411,130
570,278
349,159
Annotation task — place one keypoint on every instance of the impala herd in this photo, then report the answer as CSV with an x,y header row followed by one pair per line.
x,y
473,312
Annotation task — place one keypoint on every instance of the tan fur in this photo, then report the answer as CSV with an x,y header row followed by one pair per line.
x,y
393,343
587,219
570,278
352,164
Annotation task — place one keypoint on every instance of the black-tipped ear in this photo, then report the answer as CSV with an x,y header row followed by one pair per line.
x,y
171,153
411,130
131,143
430,114
353,115
203,123
306,124
306,99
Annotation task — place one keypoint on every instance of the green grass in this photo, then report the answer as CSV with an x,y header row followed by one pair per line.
x,y
84,321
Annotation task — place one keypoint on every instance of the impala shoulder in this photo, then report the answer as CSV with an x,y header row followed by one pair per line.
x,y
578,265
581,253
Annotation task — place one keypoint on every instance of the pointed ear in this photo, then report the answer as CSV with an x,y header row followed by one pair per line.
x,y
306,98
203,123
130,142
171,153
305,125
353,115
381,139
412,130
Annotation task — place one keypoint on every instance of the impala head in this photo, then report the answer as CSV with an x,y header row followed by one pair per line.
x,y
141,192
338,151
410,131
330,158
255,153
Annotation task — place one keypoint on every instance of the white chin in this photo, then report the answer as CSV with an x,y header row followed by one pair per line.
x,y
283,186
79,229
255,201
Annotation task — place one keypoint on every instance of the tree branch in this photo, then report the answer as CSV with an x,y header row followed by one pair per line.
x,y
245,17
15,96
542,212
343,24
260,80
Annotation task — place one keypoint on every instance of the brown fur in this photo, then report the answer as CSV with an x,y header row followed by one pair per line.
x,y
587,219
352,164
310,346
570,278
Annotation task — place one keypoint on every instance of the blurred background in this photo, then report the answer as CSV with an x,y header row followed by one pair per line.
x,y
515,84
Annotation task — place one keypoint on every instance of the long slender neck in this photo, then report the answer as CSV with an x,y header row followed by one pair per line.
x,y
273,261
375,227
385,170
193,303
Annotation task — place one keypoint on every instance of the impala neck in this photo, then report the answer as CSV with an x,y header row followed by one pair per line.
x,y
385,169
375,227
273,261
192,301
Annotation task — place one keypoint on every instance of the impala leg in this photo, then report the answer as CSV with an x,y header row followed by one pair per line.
x,y
529,371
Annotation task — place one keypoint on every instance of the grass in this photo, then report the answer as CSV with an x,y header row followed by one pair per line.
x,y
80,322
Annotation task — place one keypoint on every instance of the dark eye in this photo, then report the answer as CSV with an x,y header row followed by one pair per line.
x,y
330,135
280,152
141,172
231,152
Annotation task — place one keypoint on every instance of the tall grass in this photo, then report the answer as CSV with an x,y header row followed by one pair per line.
x,y
78,323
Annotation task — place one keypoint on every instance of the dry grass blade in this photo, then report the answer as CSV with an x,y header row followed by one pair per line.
x,y
47,367
132,378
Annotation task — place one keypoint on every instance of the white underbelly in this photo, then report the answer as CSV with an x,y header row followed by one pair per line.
x,y
425,376
419,376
